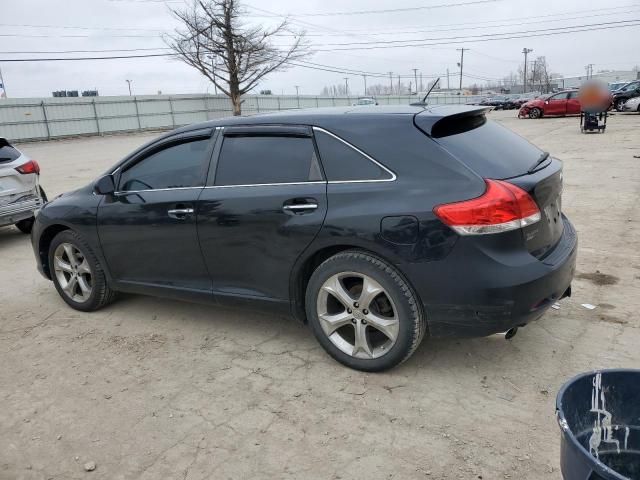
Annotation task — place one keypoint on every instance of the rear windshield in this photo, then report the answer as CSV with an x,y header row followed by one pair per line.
x,y
8,154
488,148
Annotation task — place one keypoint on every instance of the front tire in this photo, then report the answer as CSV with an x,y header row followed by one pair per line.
x,y
535,113
620,105
77,273
363,312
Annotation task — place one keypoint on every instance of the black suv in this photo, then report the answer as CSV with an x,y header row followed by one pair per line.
x,y
620,96
376,226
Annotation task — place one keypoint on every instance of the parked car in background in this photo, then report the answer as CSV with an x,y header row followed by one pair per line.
x,y
498,102
553,105
20,192
620,96
632,105
364,101
616,86
333,215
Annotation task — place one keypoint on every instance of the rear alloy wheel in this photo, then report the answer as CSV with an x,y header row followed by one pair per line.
x,y
620,105
535,113
77,274
362,312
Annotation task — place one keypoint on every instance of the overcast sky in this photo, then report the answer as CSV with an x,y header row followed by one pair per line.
x,y
139,24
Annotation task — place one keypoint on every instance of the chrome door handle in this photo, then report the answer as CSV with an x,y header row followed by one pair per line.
x,y
302,207
179,212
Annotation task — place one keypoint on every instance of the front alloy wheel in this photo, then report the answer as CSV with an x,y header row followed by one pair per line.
x,y
535,113
620,105
72,272
363,312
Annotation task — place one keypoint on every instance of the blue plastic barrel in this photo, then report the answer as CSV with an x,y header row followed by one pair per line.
x,y
599,417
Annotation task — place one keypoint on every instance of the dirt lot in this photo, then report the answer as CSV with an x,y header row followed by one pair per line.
x,y
157,389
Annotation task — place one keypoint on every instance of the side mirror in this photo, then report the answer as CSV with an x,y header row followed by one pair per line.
x,y
104,185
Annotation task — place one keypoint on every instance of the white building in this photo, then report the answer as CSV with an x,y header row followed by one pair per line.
x,y
612,76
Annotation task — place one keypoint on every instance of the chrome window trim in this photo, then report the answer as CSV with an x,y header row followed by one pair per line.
x,y
268,184
126,192
393,175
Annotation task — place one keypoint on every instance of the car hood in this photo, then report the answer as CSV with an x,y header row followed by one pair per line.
x,y
533,103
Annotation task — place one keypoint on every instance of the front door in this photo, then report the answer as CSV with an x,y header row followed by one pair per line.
x,y
147,229
573,104
261,208
557,104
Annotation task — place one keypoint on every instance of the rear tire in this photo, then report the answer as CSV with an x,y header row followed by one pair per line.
x,y
77,273
620,105
363,312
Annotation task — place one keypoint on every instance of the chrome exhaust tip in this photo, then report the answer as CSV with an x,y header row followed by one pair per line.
x,y
509,334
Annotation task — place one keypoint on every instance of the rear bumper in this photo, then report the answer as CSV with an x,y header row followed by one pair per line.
x,y
477,291
14,212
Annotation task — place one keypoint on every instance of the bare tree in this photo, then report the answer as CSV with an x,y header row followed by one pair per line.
x,y
233,55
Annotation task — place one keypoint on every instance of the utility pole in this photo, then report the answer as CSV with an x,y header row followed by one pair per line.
x,y
129,84
589,69
2,84
421,87
415,78
297,95
399,92
448,87
346,86
461,65
365,84
526,52
390,83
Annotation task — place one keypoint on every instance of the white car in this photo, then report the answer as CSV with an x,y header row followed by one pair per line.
x,y
632,105
365,101
20,191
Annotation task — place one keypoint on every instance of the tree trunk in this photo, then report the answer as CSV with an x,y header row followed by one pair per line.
x,y
235,100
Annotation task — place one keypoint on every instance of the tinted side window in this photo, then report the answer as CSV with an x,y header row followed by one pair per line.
x,y
251,160
343,163
560,96
181,165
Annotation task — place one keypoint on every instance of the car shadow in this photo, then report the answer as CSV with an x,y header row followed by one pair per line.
x,y
10,236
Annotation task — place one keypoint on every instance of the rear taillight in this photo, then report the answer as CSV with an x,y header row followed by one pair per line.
x,y
502,207
30,167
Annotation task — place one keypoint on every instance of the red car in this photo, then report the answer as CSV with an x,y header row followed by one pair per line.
x,y
557,104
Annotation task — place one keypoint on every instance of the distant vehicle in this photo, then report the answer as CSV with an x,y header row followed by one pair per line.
x,y
498,102
620,96
632,105
617,86
364,101
554,105
20,193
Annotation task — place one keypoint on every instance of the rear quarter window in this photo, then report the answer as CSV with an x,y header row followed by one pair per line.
x,y
486,147
8,154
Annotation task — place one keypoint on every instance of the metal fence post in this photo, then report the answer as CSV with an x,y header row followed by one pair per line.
x,y
135,102
205,100
46,120
173,117
317,104
258,104
95,115
278,103
333,101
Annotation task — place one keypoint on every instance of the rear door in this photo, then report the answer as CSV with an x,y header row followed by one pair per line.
x,y
147,229
264,203
556,104
573,104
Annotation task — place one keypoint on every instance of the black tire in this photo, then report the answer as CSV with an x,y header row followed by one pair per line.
x,y
412,322
101,294
535,113
620,105
26,225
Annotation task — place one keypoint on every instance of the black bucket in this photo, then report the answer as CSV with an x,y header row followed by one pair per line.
x,y
599,415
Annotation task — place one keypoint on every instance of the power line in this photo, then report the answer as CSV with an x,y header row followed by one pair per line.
x,y
391,10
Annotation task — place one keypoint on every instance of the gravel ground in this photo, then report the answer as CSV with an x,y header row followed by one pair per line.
x,y
157,389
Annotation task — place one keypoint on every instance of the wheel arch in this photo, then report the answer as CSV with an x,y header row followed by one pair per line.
x,y
307,264
44,242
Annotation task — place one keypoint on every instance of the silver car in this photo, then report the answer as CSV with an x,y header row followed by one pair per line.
x,y
20,192
632,105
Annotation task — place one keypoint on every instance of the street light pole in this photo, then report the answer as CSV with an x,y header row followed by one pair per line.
x,y
365,84
526,52
415,78
390,83
346,86
298,94
129,85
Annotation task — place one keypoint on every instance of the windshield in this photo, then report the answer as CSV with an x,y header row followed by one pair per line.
x,y
630,86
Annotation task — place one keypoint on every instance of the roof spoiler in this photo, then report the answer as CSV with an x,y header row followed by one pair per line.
x,y
4,142
445,120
